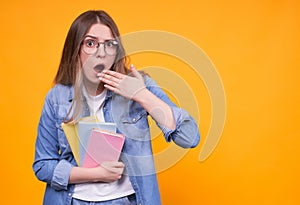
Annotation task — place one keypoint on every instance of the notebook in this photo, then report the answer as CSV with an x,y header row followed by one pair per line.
x,y
103,146
84,132
71,132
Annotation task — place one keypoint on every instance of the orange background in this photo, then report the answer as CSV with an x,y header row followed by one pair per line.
x,y
253,44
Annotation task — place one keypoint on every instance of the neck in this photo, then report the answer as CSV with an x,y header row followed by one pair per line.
x,y
94,89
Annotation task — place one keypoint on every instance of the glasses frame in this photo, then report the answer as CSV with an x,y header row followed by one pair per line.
x,y
98,43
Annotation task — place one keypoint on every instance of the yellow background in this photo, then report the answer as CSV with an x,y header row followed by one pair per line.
x,y
253,44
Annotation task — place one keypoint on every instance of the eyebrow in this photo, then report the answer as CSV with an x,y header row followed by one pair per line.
x,y
94,37
90,36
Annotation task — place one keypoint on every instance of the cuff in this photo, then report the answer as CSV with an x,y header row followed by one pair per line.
x,y
60,179
177,118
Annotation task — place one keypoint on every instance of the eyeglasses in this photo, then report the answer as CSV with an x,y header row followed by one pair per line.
x,y
91,46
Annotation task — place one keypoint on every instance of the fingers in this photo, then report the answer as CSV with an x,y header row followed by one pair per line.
x,y
124,85
108,171
135,72
116,167
111,75
115,76
113,164
111,79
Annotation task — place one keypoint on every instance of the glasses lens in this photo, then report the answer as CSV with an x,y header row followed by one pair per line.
x,y
111,47
89,46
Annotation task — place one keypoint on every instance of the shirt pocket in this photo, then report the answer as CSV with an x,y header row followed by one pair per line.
x,y
135,125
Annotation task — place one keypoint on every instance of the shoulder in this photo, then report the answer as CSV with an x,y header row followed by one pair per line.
x,y
60,94
152,85
149,81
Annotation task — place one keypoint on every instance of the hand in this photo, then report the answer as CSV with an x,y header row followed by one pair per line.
x,y
127,86
109,171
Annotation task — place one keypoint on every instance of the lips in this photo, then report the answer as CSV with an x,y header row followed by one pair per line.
x,y
99,68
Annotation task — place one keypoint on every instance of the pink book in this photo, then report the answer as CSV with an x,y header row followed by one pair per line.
x,y
103,146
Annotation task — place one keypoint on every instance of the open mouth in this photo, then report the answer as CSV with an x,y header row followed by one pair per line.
x,y
99,68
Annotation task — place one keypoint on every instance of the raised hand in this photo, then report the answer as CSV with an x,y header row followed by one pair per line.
x,y
127,86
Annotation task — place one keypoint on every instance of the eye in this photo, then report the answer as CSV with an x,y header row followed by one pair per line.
x,y
111,43
90,43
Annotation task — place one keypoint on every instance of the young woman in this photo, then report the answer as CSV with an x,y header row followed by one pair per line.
x,y
93,79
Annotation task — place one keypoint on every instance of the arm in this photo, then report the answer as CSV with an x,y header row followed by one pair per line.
x,y
176,123
186,133
160,111
48,166
134,88
107,172
59,173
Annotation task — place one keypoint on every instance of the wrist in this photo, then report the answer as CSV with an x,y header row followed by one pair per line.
x,y
140,94
97,174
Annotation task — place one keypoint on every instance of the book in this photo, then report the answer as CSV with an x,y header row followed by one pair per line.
x,y
84,132
103,146
71,132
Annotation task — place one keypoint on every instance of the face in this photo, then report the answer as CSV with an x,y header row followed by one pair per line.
x,y
95,62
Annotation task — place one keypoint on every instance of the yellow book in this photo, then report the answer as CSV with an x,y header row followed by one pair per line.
x,y
71,132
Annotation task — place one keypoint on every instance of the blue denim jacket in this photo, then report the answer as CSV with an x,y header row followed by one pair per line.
x,y
54,159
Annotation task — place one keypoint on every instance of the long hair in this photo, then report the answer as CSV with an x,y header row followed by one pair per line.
x,y
70,69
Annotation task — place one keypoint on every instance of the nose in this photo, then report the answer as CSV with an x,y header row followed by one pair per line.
x,y
100,51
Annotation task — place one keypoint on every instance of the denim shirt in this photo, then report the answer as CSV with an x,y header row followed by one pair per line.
x,y
54,159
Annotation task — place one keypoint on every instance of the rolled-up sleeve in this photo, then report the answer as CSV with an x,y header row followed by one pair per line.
x,y
186,134
47,166
61,175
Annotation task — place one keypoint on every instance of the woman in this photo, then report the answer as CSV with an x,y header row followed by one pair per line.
x,y
93,79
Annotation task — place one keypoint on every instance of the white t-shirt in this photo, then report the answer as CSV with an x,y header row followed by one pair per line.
x,y
101,191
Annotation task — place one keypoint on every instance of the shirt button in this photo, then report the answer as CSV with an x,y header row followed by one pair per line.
x,y
133,119
70,194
